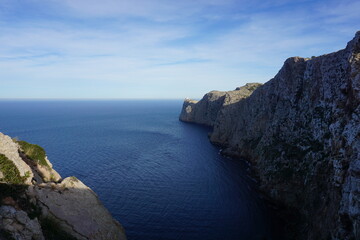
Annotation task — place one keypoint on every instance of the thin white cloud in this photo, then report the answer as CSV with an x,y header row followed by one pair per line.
x,y
340,12
133,55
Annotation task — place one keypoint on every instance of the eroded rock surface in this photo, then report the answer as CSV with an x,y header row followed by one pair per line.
x,y
301,131
206,110
11,150
47,173
70,202
19,224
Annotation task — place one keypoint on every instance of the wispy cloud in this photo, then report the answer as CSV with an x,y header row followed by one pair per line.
x,y
156,49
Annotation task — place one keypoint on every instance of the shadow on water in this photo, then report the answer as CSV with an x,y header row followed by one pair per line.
x,y
239,172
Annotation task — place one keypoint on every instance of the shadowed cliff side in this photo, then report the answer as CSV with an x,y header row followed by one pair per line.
x,y
301,131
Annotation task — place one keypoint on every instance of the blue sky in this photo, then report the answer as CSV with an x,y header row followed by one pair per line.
x,y
157,48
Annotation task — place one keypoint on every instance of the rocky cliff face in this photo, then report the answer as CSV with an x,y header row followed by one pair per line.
x,y
36,203
206,110
301,131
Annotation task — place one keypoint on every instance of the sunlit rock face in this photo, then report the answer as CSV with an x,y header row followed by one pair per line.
x,y
70,202
301,131
47,173
206,110
10,149
35,202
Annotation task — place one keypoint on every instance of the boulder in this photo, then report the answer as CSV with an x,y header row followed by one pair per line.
x,y
77,209
19,225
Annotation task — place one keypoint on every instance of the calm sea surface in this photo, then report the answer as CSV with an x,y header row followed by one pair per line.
x,y
159,177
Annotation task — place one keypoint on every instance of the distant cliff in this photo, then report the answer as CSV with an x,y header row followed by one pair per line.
x,y
206,110
301,131
36,203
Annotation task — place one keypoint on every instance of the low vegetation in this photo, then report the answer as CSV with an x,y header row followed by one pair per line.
x,y
34,152
253,87
10,172
74,179
52,230
6,235
17,192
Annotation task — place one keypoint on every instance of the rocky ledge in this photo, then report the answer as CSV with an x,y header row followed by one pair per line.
x,y
36,203
301,132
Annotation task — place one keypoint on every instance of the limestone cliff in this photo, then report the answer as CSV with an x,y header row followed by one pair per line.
x,y
206,110
36,203
301,131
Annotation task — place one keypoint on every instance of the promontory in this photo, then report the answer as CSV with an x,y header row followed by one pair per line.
x,y
301,132
37,204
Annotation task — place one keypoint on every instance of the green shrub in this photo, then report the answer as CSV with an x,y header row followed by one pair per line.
x,y
6,235
18,193
34,152
10,171
52,230
74,179
12,190
254,87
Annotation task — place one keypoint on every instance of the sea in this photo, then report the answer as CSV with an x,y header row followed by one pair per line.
x,y
160,178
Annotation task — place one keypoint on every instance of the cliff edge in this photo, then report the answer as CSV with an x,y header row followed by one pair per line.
x,y
301,132
36,203
206,110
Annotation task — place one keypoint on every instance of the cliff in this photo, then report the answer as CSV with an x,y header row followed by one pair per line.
x,y
36,203
301,132
206,110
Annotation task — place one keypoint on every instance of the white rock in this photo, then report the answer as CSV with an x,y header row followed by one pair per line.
x,y
11,150
78,210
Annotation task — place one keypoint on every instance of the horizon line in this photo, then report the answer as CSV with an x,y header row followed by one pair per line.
x,y
86,99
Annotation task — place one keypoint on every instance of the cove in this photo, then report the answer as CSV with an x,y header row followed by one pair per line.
x,y
161,178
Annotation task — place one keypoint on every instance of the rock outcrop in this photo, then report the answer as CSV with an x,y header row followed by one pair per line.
x,y
206,110
10,149
47,172
35,203
69,203
18,223
301,132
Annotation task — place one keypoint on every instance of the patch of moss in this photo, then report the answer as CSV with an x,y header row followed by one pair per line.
x,y
271,152
291,160
327,135
74,179
10,171
252,143
253,87
52,230
18,193
6,235
52,177
294,152
34,152
33,211
12,190
287,173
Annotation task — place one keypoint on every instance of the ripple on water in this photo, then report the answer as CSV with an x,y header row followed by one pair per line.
x,y
159,177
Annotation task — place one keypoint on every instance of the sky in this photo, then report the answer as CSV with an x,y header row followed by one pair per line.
x,y
157,49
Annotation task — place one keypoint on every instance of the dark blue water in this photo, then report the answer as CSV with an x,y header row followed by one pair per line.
x,y
159,177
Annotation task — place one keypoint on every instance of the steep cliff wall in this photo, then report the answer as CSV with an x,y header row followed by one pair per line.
x,y
36,203
301,130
